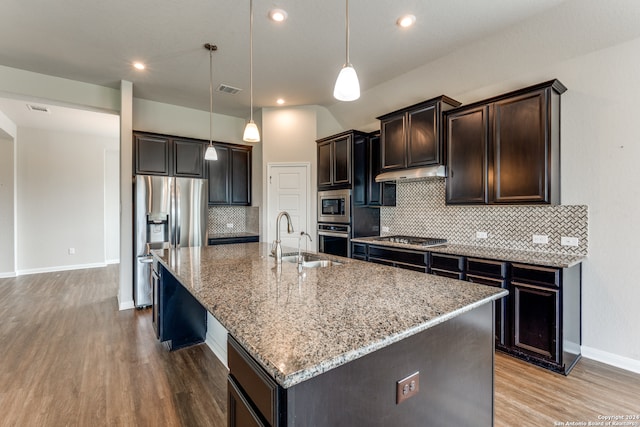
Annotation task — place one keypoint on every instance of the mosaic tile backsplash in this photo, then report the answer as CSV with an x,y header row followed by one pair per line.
x,y
421,211
243,218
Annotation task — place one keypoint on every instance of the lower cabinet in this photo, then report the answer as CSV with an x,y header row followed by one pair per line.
x,y
230,240
539,321
254,397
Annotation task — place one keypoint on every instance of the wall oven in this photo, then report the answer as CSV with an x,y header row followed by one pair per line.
x,y
334,206
335,239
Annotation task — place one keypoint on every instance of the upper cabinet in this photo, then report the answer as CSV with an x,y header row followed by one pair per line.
x,y
506,150
230,175
352,160
411,137
167,155
335,167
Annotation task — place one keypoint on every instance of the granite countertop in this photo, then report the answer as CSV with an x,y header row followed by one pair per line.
x,y
232,235
298,326
526,257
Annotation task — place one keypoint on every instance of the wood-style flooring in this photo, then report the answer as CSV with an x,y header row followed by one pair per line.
x,y
68,357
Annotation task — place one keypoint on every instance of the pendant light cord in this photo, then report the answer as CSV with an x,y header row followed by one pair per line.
x,y
347,32
210,94
251,57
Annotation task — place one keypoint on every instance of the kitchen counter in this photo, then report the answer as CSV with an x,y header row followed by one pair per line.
x,y
511,255
298,326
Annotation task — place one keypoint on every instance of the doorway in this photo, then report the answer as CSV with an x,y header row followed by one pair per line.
x,y
289,189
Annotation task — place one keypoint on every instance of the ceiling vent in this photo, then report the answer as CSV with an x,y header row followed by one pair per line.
x,y
38,108
228,89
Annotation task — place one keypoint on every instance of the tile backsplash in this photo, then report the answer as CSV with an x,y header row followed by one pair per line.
x,y
243,218
421,211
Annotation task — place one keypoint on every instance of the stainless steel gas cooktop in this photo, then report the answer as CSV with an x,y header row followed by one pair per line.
x,y
411,240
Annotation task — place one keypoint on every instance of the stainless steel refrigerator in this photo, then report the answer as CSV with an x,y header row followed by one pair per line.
x,y
168,212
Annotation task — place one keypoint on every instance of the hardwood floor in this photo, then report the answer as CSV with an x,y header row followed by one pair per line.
x,y
69,357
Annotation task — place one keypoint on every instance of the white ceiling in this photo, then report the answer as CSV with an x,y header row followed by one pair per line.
x,y
298,60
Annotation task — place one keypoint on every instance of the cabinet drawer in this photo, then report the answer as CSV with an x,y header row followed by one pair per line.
x,y
416,258
447,273
485,267
253,381
447,262
535,275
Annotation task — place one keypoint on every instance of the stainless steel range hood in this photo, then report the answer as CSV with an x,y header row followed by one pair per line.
x,y
437,171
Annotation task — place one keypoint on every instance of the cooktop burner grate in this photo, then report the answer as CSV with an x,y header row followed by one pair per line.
x,y
411,240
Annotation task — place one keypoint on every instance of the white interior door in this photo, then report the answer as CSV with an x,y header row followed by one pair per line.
x,y
288,190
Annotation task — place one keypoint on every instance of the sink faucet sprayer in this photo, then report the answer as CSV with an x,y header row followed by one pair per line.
x,y
277,250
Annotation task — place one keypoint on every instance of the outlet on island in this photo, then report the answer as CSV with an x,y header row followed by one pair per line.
x,y
407,387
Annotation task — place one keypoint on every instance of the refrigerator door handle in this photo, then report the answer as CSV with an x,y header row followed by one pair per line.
x,y
172,216
178,212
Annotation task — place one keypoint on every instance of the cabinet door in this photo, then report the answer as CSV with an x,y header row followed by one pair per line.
x,y
375,164
521,149
325,163
423,144
219,177
392,131
240,176
467,135
188,158
535,320
499,305
360,169
342,161
152,155
239,410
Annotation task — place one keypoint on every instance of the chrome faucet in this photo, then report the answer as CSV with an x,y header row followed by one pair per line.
x,y
277,250
302,234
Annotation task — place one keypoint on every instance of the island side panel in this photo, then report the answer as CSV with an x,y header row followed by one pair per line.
x,y
455,360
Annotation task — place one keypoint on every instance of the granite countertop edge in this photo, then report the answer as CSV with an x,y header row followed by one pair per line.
x,y
547,259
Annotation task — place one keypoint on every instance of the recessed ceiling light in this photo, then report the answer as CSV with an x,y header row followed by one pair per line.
x,y
280,101
406,21
278,15
139,66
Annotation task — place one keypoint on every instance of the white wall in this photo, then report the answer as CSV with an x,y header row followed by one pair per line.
x,y
112,206
289,135
8,133
60,192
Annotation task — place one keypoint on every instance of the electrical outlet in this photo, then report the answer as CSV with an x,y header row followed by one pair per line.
x,y
385,229
540,239
569,241
407,387
481,235
230,225
72,251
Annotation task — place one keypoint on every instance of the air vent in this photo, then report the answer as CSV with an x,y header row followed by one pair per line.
x,y
39,108
228,89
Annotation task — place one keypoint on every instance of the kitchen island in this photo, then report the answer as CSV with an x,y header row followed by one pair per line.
x,y
331,346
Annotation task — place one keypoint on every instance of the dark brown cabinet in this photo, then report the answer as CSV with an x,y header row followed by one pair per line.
x,y
506,150
539,321
167,155
230,175
334,160
410,137
379,193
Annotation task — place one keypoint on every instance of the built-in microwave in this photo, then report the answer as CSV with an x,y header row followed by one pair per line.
x,y
334,206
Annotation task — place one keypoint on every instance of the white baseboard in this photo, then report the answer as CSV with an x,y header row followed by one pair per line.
x,y
8,274
112,261
59,268
621,362
125,305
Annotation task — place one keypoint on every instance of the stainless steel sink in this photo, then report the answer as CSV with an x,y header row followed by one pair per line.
x,y
310,260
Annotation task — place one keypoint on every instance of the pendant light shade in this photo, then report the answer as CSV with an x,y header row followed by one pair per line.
x,y
211,153
347,86
251,132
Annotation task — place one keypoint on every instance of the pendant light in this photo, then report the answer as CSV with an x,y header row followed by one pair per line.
x,y
251,132
211,153
347,86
